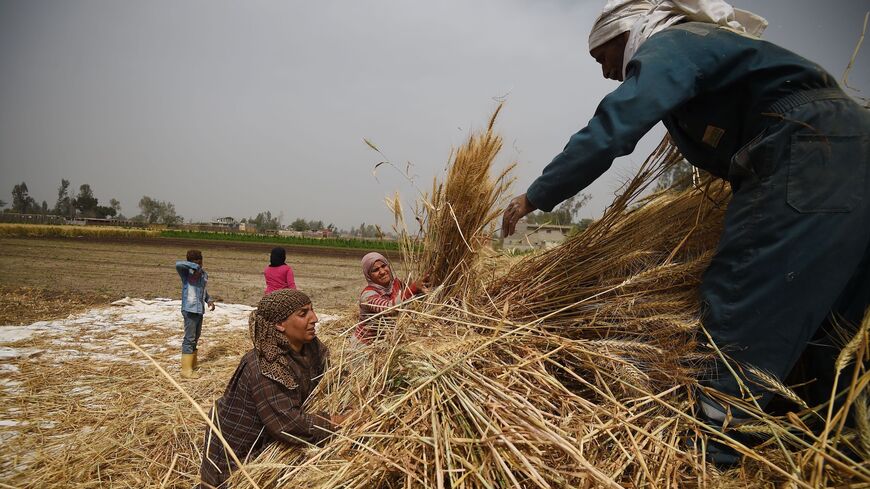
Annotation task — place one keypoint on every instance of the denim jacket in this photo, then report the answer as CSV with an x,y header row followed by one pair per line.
x,y
194,296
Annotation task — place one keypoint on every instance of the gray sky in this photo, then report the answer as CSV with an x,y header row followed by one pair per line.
x,y
232,108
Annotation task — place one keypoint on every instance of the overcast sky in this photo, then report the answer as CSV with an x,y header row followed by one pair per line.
x,y
229,108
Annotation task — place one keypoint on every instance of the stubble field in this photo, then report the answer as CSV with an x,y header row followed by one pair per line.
x,y
70,274
79,405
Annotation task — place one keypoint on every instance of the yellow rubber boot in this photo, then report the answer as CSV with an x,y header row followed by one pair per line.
x,y
187,366
195,360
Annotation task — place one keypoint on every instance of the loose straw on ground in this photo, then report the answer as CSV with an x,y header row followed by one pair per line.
x,y
215,430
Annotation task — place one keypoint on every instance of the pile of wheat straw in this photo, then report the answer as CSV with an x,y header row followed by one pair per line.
x,y
576,368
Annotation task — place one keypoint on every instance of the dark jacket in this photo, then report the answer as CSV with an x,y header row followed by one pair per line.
x,y
713,89
256,410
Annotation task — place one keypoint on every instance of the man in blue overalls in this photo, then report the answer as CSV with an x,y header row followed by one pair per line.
x,y
796,239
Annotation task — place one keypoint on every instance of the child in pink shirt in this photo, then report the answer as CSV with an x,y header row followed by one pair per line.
x,y
278,274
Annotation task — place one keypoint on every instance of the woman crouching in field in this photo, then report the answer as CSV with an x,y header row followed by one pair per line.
x,y
263,401
382,292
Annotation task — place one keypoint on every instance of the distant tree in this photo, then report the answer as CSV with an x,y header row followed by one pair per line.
x,y
265,222
2,203
155,211
367,231
315,225
104,211
19,198
331,228
564,215
300,225
581,226
85,202
168,215
170,218
111,210
22,202
149,209
44,208
678,176
63,206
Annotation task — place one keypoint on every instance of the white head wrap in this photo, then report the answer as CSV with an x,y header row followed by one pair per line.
x,y
643,18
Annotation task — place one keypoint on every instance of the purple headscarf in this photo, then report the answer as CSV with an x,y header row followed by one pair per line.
x,y
368,262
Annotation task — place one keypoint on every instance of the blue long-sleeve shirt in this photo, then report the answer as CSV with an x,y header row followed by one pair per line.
x,y
710,86
194,293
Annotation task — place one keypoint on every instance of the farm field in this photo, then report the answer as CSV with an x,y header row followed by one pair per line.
x,y
67,311
70,273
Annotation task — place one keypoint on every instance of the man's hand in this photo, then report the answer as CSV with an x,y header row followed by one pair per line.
x,y
516,210
211,305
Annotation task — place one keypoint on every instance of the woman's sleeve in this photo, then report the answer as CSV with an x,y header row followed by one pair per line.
x,y
280,410
373,302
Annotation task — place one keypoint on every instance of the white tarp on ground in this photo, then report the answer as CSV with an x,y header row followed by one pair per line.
x,y
101,334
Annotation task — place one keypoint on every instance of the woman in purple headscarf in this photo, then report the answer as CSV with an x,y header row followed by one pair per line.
x,y
382,292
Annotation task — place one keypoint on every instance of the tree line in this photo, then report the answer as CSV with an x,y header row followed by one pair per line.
x,y
265,222
153,211
86,205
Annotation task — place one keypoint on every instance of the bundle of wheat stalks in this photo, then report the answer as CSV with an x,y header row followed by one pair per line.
x,y
455,217
575,368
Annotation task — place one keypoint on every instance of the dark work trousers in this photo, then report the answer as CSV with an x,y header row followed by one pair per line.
x,y
192,330
795,247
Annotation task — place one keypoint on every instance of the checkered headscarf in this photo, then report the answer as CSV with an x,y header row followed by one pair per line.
x,y
271,344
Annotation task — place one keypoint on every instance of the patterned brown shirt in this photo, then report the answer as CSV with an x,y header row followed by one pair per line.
x,y
256,410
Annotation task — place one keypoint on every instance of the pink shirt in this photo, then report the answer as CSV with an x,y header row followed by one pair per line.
x,y
279,278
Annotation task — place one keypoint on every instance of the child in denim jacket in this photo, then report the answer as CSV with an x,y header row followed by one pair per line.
x,y
194,296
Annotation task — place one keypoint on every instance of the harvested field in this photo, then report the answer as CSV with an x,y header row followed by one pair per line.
x,y
79,406
110,270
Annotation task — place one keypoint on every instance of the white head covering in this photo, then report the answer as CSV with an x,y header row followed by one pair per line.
x,y
643,18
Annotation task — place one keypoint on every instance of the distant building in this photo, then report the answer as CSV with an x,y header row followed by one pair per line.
x,y
31,218
535,236
229,223
100,221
